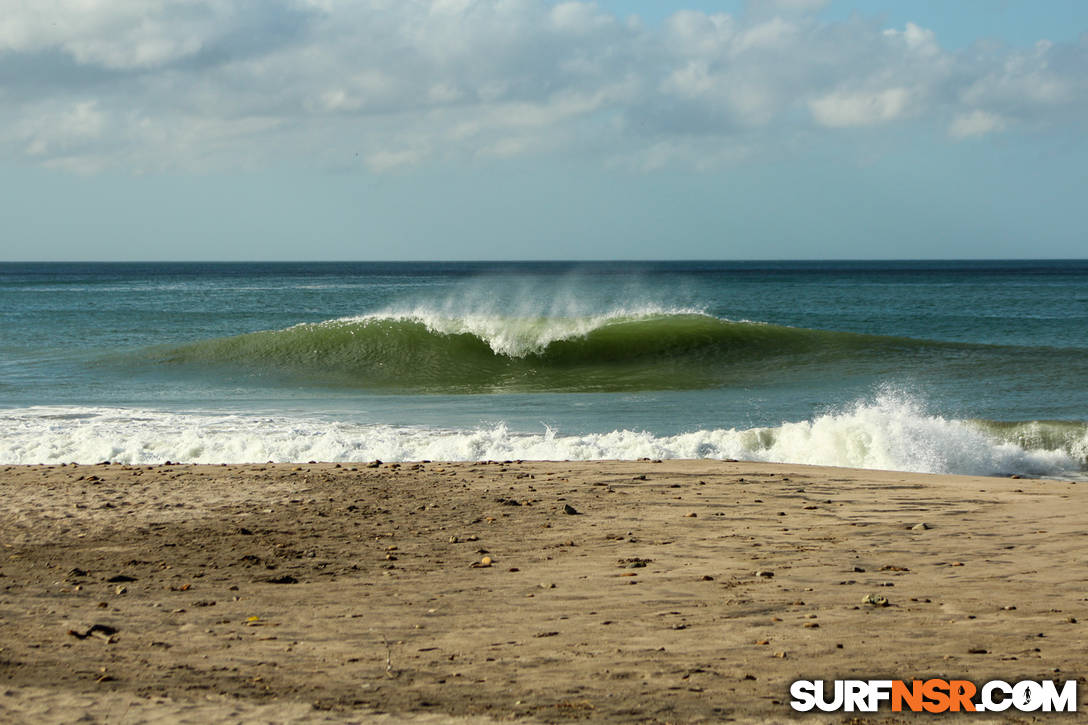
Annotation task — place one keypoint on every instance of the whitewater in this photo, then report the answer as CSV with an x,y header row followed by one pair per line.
x,y
890,432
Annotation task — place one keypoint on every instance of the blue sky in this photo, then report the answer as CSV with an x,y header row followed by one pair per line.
x,y
525,129
958,22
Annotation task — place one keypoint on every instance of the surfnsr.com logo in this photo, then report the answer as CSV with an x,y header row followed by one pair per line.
x,y
933,696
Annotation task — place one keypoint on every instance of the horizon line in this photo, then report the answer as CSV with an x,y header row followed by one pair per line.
x,y
542,261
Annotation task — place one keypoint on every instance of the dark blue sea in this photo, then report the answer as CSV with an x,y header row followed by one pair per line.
x,y
959,367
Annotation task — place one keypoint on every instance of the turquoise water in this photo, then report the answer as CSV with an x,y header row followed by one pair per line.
x,y
966,367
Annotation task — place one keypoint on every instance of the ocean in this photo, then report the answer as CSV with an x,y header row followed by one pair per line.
x,y
946,367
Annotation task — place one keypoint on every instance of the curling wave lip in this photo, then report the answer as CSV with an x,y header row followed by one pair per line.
x,y
624,350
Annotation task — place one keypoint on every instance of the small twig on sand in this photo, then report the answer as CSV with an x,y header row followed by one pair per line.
x,y
389,672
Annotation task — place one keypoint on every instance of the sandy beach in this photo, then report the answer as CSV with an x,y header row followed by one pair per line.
x,y
676,591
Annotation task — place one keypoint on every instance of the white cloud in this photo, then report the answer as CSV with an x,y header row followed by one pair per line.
x,y
53,132
1028,80
441,93
688,32
450,7
142,84
389,160
691,81
579,18
975,123
121,34
804,6
919,40
772,8
842,109
507,147
774,34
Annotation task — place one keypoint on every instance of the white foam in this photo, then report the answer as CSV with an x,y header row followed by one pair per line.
x,y
886,433
513,335
522,315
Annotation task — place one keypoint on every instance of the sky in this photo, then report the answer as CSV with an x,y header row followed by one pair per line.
x,y
537,129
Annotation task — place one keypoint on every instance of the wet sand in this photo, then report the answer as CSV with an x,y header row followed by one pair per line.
x,y
679,591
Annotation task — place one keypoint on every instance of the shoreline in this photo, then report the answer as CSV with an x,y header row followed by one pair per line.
x,y
680,591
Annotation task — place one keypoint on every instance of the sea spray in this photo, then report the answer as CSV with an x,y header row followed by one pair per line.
x,y
523,334
894,432
891,431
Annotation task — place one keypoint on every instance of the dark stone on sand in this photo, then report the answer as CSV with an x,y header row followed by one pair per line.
x,y
102,631
570,510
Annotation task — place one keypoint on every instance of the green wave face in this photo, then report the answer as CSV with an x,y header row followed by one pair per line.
x,y
1069,437
610,353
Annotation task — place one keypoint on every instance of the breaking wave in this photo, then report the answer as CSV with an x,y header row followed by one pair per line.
x,y
643,349
889,432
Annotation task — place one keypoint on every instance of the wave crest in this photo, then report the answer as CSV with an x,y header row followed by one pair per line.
x,y
621,350
520,336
